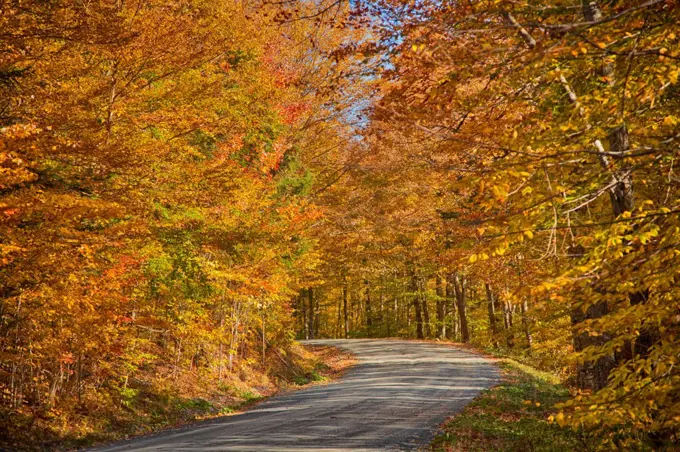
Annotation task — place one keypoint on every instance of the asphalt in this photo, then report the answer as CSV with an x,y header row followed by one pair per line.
x,y
395,398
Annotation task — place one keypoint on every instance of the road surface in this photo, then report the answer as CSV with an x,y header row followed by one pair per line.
x,y
393,399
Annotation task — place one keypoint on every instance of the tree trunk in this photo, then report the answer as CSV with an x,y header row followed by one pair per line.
x,y
441,312
590,10
426,311
507,322
452,330
235,323
317,316
418,307
384,314
388,317
369,313
344,308
622,199
621,194
490,303
339,319
524,308
594,374
509,309
310,313
407,315
303,313
264,336
219,361
506,317
459,286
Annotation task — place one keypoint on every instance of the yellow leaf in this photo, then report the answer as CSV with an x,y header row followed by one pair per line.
x,y
529,234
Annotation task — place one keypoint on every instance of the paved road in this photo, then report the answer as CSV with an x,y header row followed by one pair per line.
x,y
393,399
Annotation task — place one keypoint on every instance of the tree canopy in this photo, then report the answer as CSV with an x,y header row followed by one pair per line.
x,y
186,186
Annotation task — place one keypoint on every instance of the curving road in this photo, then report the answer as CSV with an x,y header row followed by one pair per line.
x,y
393,399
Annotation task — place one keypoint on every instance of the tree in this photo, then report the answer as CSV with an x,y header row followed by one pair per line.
x,y
155,178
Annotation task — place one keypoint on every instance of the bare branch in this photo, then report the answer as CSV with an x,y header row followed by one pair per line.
x,y
528,39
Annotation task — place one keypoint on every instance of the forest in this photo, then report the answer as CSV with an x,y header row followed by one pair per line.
x,y
187,187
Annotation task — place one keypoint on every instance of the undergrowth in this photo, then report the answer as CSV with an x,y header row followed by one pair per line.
x,y
145,406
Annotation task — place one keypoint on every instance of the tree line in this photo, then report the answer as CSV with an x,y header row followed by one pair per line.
x,y
156,165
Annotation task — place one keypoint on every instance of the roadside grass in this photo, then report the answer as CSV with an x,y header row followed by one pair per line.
x,y
512,416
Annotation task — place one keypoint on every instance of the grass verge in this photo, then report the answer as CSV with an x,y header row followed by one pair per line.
x,y
512,416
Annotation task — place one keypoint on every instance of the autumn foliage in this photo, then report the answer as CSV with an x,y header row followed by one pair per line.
x,y
518,190
154,199
188,185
